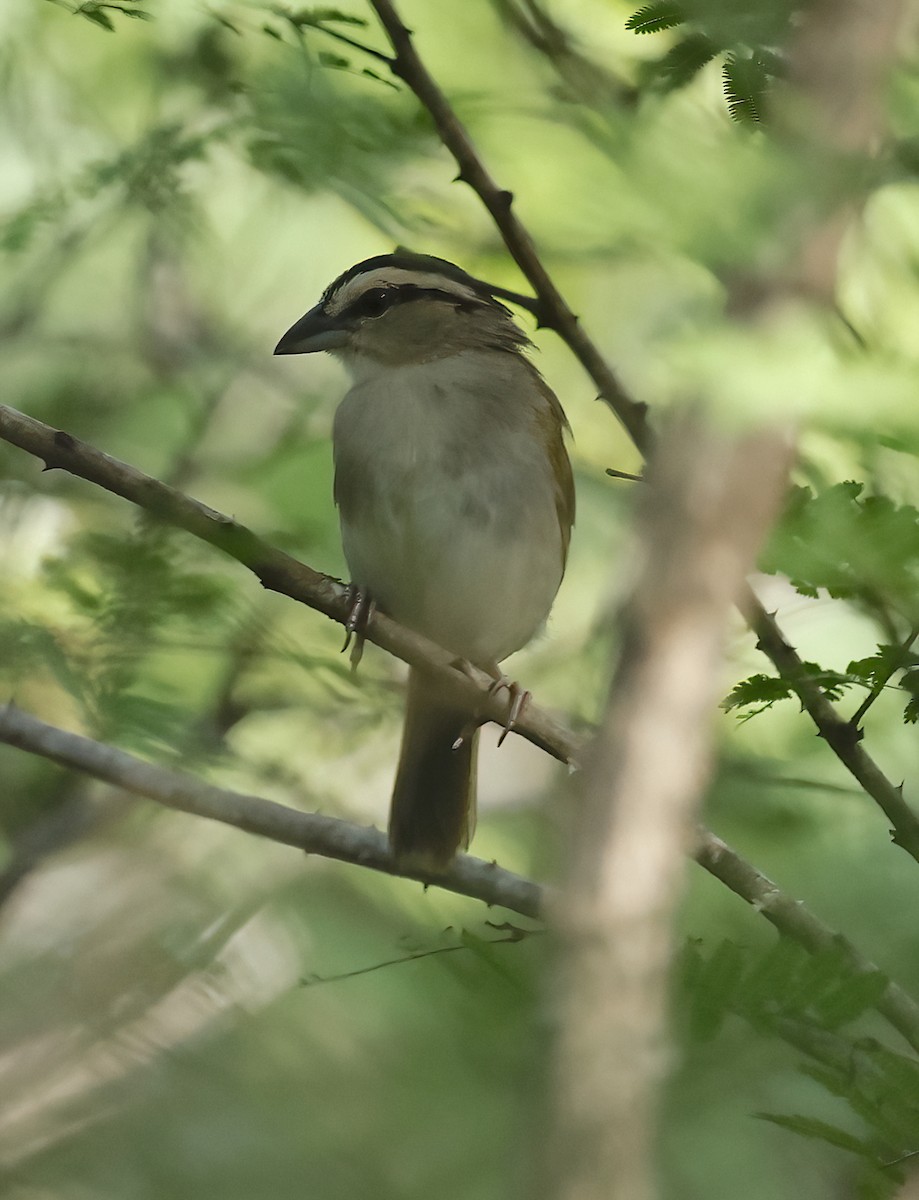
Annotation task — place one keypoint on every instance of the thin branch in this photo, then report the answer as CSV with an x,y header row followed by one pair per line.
x,y
840,735
553,312
366,847
584,79
312,832
793,920
517,935
276,570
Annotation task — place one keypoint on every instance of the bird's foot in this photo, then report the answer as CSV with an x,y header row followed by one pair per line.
x,y
361,607
519,699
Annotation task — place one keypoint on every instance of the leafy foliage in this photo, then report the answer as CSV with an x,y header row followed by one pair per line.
x,y
238,118
748,36
99,11
129,599
746,79
652,18
289,134
765,690
863,548
807,1001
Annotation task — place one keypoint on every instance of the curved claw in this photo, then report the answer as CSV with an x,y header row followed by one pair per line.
x,y
362,606
519,698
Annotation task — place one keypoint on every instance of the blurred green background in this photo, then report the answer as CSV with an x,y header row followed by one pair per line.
x,y
186,1011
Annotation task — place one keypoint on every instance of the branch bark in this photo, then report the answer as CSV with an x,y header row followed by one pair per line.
x,y
312,832
278,572
552,310
366,847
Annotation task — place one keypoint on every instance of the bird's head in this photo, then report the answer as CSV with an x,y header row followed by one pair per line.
x,y
404,308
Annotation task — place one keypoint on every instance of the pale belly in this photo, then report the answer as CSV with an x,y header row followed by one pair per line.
x,y
475,590
448,503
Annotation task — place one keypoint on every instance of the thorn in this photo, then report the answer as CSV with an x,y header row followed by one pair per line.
x,y
64,440
506,197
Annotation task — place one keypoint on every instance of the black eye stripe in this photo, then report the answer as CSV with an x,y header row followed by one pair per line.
x,y
375,301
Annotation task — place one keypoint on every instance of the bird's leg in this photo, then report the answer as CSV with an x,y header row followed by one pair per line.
x,y
361,607
519,698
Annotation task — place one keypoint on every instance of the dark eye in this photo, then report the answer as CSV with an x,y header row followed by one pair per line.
x,y
373,303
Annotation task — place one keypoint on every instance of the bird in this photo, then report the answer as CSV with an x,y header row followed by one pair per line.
x,y
455,497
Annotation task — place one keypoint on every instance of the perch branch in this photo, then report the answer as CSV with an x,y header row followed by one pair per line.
x,y
312,832
276,570
366,847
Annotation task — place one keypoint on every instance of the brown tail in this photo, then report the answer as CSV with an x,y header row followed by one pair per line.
x,y
433,801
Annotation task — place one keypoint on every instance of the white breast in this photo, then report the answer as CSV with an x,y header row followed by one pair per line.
x,y
448,504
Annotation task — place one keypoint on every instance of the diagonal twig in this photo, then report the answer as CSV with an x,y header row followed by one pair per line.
x,y
554,313
276,570
312,832
318,591
552,310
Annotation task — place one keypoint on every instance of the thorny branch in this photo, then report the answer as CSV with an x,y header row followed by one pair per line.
x,y
367,847
276,570
552,311
830,93
301,583
312,832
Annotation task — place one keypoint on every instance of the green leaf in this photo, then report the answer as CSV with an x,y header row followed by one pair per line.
x,y
27,648
98,17
764,690
745,82
713,990
853,996
855,547
315,18
653,18
810,1127
686,59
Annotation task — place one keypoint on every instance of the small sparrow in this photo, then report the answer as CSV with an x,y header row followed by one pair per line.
x,y
455,496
